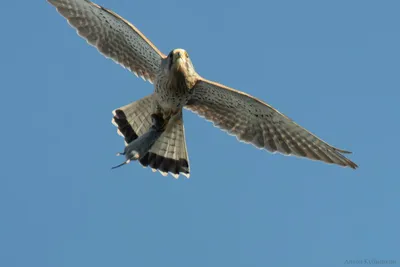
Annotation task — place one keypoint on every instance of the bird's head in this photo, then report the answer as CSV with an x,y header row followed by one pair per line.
x,y
178,61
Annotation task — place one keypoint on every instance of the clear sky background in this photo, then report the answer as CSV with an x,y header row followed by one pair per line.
x,y
332,66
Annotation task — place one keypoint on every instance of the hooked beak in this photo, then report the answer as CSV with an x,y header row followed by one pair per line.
x,y
178,58
179,62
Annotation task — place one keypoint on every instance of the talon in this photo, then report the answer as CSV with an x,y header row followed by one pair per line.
x,y
159,123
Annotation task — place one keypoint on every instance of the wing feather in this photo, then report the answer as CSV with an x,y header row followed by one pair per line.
x,y
256,122
112,35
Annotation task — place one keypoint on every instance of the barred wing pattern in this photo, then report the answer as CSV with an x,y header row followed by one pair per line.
x,y
255,122
112,35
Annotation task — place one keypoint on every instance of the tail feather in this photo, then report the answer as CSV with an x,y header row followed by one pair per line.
x,y
134,119
169,153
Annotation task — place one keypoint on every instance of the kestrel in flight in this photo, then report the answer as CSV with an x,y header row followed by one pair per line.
x,y
176,86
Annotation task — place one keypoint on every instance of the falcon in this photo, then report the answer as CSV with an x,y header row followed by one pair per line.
x,y
177,86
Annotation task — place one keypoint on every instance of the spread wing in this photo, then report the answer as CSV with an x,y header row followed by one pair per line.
x,y
256,122
112,35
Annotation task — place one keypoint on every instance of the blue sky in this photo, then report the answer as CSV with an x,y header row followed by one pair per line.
x,y
332,66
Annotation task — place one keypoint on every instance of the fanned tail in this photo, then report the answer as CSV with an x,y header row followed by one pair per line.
x,y
169,152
